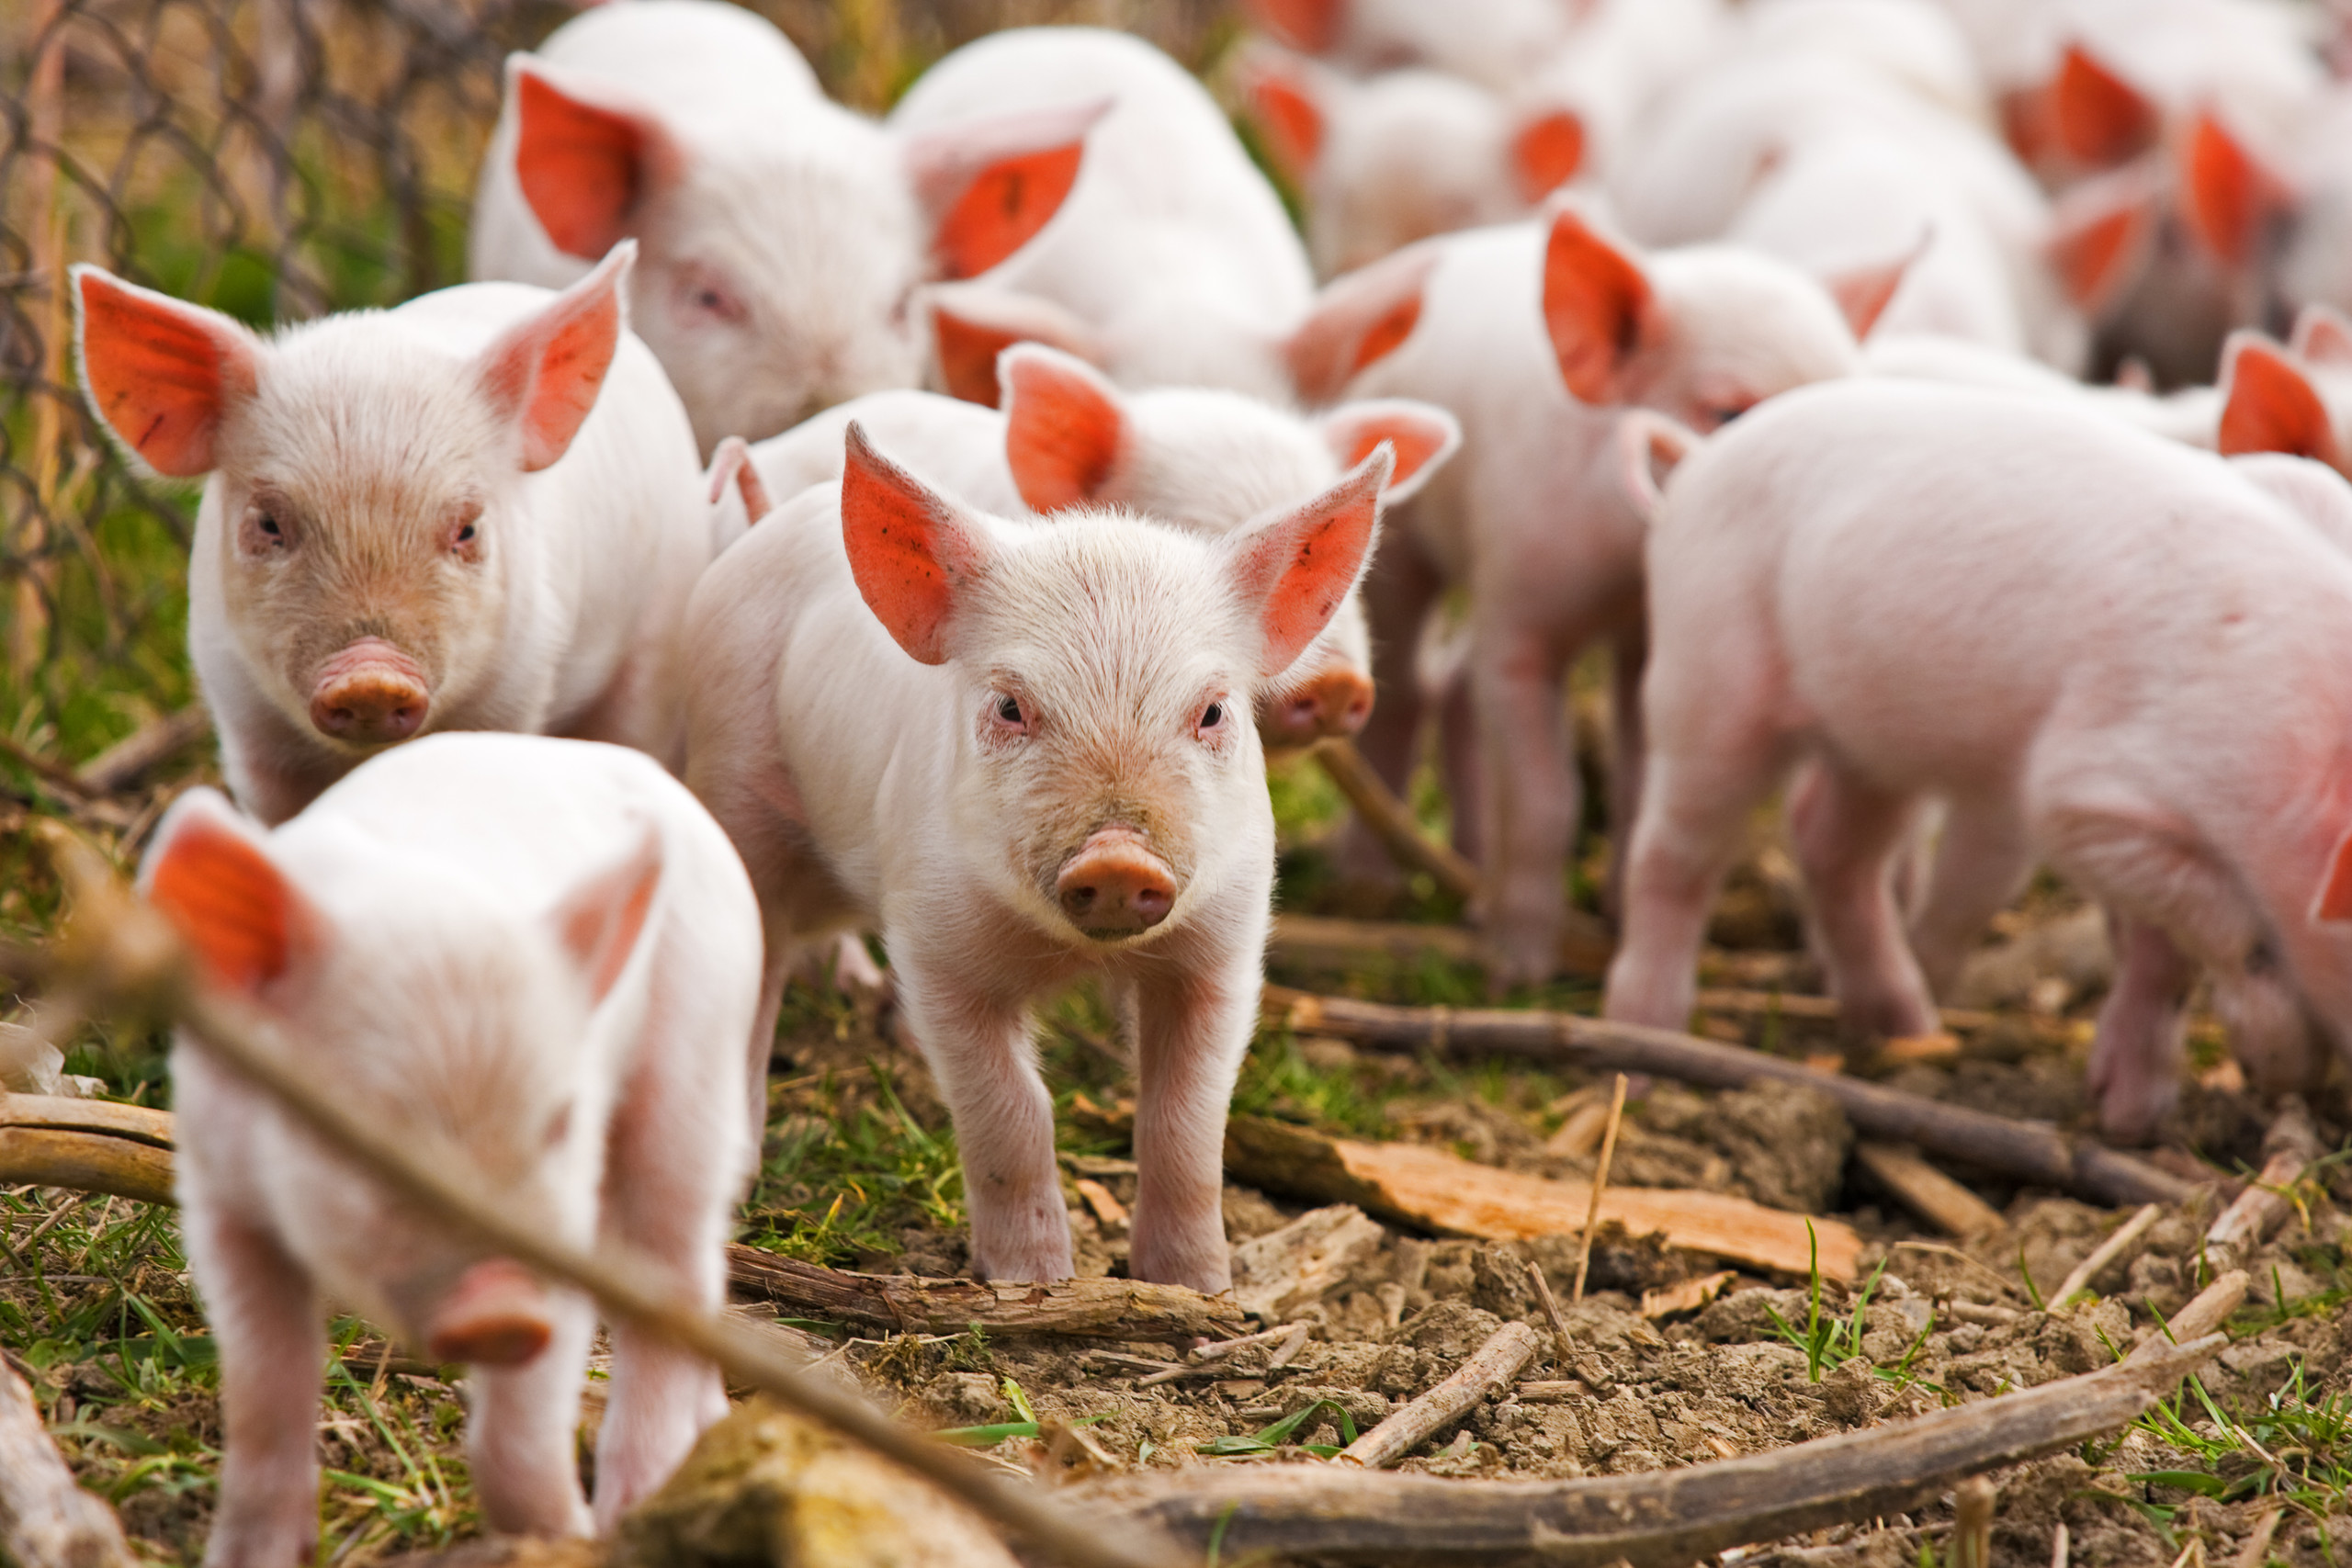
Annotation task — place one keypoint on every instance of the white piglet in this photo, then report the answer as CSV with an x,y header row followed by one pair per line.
x,y
784,237
535,961
1023,750
479,511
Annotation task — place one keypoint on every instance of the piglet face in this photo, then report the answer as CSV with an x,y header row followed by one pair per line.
x,y
1743,328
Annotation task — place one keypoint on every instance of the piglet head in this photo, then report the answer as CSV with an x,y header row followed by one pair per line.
x,y
442,1011
1104,664
361,516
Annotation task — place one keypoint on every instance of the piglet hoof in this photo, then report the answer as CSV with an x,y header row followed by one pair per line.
x,y
1114,886
496,1316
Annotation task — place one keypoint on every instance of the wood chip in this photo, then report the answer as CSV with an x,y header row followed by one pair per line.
x,y
1105,1204
1688,1296
1277,1274
1929,1193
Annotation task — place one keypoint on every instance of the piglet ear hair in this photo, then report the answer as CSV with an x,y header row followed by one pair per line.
x,y
160,373
1650,446
973,324
2324,336
1598,306
586,155
2269,405
989,185
1422,435
598,924
912,549
1065,426
1358,321
1294,570
2097,118
544,372
1287,98
1863,292
210,875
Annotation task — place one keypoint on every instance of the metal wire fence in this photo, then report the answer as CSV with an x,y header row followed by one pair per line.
x,y
275,159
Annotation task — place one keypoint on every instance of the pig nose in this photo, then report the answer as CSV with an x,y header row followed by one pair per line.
x,y
1336,703
496,1316
369,694
1115,886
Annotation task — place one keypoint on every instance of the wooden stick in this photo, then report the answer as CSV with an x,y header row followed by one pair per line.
x,y
903,1303
1392,821
2256,1549
1340,1514
1818,1009
1563,1348
1971,1530
1599,1185
1219,1350
1488,1372
86,1162
2203,1315
46,1519
1929,1193
2290,1144
2059,1553
121,953
2113,1248
2033,1152
142,752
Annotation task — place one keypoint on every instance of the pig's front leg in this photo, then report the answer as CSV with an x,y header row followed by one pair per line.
x,y
1192,1030
522,1430
2136,1059
979,1050
1629,655
1531,802
272,1339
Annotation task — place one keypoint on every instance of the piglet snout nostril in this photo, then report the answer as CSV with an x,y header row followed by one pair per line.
x,y
496,1316
370,693
1115,886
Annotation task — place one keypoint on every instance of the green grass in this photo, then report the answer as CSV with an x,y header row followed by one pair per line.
x,y
2295,1449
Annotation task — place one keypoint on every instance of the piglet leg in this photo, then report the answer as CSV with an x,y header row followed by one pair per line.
x,y
2137,1057
521,1428
1847,832
266,1320
1193,1029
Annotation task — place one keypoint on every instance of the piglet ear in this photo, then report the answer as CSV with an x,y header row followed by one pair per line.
x,y
973,324
1598,306
2322,336
2229,196
2097,117
598,923
989,185
912,551
585,156
2334,900
1358,321
158,372
1546,151
1310,26
1064,425
1286,97
2269,405
2101,235
544,372
1421,436
209,873
1296,568
1864,293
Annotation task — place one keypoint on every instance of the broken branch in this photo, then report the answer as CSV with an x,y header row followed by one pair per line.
x,y
2034,1152
1929,1193
1488,1372
2110,1249
46,1519
1599,1185
904,1303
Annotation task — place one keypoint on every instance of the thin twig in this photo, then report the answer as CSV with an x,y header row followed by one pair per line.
x,y
2256,1549
1972,1530
2058,1547
2110,1249
1392,822
1491,1368
1599,1184
1563,1347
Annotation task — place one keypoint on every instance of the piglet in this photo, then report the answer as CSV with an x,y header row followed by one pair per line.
x,y
784,237
2098,648
536,960
1202,460
1022,749
480,510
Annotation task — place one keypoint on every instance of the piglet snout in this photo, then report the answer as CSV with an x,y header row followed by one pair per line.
x,y
1336,703
1113,884
496,1316
369,694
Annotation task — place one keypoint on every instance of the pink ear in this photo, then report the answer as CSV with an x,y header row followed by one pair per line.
x,y
1358,321
212,878
1598,306
1298,567
1863,292
1063,427
2229,196
1311,27
2101,236
160,372
1545,153
2271,405
545,371
990,185
2097,118
583,166
2322,336
1423,437
598,923
973,324
1284,102
910,549
2335,893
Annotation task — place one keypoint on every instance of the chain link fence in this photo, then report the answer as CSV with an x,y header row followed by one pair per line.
x,y
275,159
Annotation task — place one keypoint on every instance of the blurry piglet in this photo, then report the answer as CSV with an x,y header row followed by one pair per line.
x,y
1022,749
479,511
784,236
538,959
1209,461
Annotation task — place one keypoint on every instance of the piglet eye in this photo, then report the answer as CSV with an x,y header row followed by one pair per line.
x,y
270,527
466,534
1212,715
1009,709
